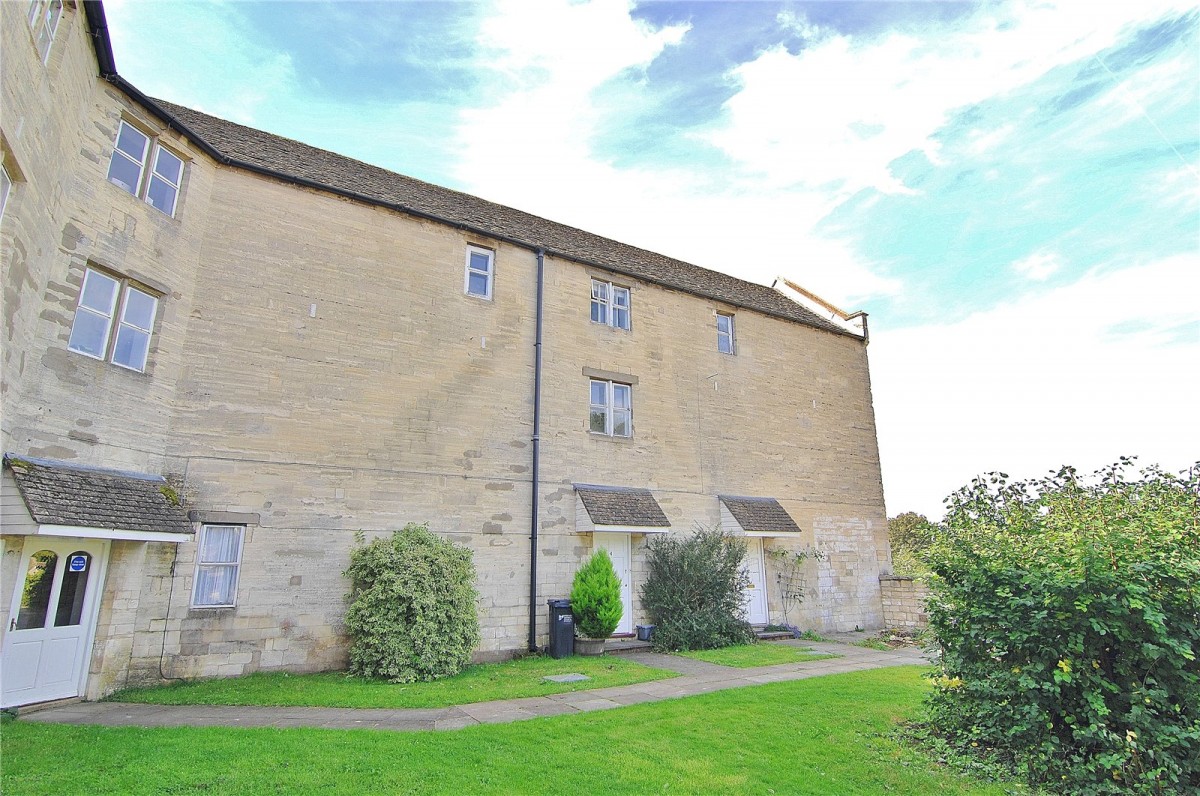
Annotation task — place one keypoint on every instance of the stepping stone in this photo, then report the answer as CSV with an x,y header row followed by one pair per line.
x,y
566,678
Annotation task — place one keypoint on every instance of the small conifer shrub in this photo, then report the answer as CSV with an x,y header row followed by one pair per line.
x,y
596,597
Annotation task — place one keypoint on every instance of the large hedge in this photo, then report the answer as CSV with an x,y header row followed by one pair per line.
x,y
1067,613
694,591
596,597
412,612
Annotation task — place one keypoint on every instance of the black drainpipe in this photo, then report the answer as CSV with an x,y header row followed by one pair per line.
x,y
537,443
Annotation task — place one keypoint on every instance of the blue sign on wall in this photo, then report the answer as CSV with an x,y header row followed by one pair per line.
x,y
78,563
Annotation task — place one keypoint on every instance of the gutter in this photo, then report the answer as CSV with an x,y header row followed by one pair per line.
x,y
99,32
537,444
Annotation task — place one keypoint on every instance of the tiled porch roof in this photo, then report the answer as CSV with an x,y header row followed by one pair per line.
x,y
760,514
64,493
622,506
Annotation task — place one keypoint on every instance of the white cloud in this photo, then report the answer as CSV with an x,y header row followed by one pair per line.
x,y
564,48
805,131
980,142
1178,188
799,25
1141,93
220,71
843,108
1078,375
1038,266
532,149
544,61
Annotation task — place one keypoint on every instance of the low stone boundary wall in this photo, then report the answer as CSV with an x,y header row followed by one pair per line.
x,y
903,602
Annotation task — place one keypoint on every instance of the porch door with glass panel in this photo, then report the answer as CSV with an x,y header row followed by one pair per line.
x,y
52,621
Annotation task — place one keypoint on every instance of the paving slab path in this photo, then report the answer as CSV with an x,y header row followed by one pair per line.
x,y
696,677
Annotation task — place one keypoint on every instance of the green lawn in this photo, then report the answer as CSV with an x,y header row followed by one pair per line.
x,y
827,735
747,656
482,683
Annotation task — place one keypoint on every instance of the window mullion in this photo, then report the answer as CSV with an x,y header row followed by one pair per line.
x,y
611,408
144,170
118,319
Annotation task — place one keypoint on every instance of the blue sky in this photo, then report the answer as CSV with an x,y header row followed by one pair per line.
x,y
1011,190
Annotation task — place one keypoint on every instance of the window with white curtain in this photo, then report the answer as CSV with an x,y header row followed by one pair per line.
x,y
218,559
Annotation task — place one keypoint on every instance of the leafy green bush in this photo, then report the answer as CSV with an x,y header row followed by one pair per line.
x,y
693,591
596,597
1066,612
412,608
911,535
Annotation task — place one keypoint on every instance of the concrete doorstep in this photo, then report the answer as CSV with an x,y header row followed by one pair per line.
x,y
696,677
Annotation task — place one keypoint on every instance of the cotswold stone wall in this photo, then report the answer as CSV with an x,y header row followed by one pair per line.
x,y
317,370
903,602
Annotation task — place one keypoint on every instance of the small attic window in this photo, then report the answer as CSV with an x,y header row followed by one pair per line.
x,y
477,281
725,340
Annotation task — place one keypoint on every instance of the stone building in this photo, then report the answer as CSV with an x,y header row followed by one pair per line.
x,y
226,352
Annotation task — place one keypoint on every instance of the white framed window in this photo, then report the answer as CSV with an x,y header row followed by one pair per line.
x,y
144,168
44,16
610,304
725,340
611,408
5,189
218,562
113,321
477,281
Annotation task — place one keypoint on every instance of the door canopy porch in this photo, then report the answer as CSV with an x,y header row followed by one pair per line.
x,y
67,499
757,516
619,509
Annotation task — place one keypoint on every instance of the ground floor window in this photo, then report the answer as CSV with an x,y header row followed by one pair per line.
x,y
218,559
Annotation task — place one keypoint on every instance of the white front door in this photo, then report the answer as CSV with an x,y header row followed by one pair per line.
x,y
618,547
52,620
756,591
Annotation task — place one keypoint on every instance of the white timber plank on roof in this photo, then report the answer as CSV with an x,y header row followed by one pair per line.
x,y
583,521
113,533
14,514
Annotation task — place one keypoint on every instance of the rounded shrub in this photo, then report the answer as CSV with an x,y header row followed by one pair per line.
x,y
694,591
596,597
412,612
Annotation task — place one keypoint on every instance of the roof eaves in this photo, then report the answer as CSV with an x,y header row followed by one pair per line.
x,y
94,10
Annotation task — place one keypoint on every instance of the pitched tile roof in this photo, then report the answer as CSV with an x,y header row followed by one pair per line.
x,y
760,514
617,505
63,493
258,150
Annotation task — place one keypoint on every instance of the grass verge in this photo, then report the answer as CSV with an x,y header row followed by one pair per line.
x,y
818,736
481,683
748,656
